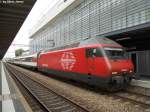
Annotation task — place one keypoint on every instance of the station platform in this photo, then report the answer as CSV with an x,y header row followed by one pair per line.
x,y
141,83
11,99
141,86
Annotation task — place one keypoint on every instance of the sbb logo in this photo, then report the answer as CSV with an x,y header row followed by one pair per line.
x,y
67,60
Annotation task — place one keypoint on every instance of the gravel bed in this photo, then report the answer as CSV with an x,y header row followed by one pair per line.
x,y
93,101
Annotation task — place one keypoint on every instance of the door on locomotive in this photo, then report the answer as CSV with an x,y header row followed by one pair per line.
x,y
90,59
93,55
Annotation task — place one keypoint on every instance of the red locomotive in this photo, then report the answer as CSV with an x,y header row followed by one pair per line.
x,y
96,61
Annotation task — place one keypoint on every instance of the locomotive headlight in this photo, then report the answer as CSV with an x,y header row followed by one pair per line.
x,y
113,73
130,71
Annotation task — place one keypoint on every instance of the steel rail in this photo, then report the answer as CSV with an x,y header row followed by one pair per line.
x,y
44,86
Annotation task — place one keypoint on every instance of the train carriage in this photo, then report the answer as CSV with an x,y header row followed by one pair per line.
x,y
29,61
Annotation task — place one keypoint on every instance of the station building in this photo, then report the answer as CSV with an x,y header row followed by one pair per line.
x,y
125,21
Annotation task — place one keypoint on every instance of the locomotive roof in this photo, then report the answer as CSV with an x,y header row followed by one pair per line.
x,y
63,47
97,40
87,41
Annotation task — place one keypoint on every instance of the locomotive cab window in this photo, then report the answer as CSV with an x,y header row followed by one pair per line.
x,y
115,53
93,52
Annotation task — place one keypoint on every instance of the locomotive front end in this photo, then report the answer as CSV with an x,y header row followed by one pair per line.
x,y
122,69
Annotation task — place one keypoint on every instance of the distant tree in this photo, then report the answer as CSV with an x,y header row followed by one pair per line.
x,y
18,52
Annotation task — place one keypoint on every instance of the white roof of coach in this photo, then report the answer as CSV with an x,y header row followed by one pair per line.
x,y
33,55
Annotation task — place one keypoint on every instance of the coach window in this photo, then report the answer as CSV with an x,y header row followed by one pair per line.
x,y
22,59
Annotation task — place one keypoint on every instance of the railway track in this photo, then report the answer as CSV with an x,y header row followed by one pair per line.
x,y
34,104
135,98
42,98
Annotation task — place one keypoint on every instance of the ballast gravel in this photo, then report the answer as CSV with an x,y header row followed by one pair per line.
x,y
87,98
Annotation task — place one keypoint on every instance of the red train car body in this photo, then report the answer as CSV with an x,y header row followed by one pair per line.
x,y
97,61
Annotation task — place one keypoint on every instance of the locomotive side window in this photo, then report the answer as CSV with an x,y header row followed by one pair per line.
x,y
98,52
89,52
93,52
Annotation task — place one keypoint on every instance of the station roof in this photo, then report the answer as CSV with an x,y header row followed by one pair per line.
x,y
12,15
135,38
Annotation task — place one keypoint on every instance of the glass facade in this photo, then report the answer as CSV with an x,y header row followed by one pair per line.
x,y
90,18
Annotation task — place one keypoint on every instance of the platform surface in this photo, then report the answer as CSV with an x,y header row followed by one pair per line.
x,y
9,99
145,83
